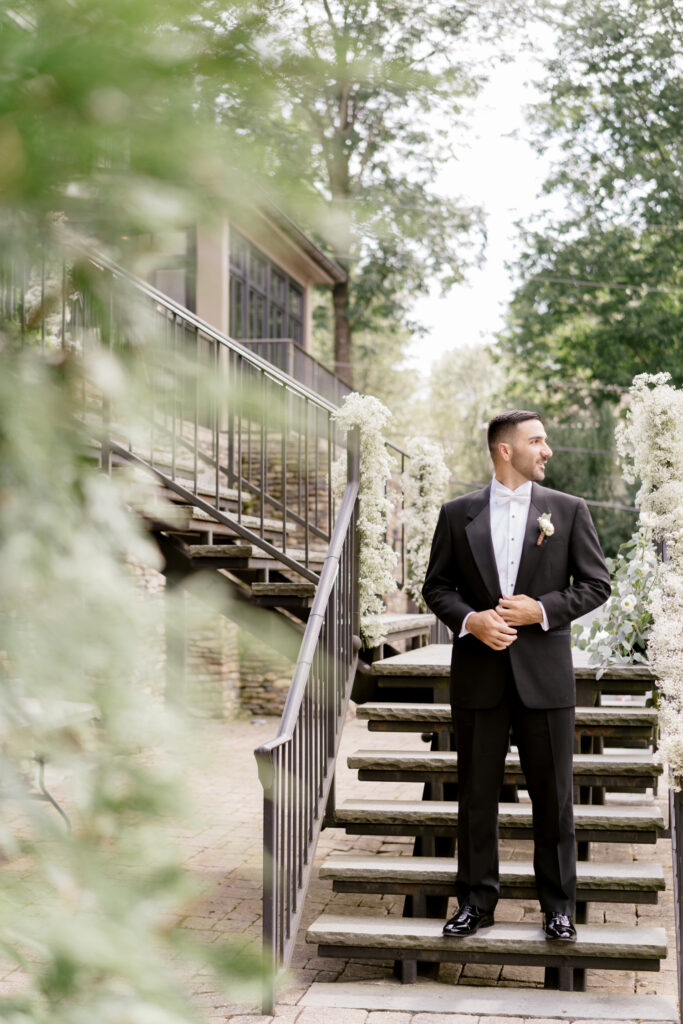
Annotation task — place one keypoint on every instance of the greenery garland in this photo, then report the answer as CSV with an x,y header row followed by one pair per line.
x,y
620,634
650,444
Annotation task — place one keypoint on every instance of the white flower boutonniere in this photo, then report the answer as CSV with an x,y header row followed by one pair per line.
x,y
545,528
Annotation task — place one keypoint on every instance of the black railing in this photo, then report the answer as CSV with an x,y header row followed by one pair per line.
x,y
294,360
296,768
224,429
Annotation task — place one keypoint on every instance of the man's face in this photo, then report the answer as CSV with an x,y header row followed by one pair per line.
x,y
529,450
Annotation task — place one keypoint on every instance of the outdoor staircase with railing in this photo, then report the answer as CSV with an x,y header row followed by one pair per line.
x,y
238,493
408,695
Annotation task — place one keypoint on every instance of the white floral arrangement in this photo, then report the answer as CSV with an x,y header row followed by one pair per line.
x,y
378,560
620,635
424,484
650,444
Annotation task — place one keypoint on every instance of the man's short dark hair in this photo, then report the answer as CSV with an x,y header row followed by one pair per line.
x,y
500,426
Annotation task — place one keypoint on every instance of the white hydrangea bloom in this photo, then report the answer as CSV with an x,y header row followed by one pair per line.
x,y
377,558
650,443
424,483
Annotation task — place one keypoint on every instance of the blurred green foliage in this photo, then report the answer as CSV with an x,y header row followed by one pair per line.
x,y
103,143
101,128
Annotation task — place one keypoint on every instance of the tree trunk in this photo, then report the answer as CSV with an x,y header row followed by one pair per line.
x,y
342,333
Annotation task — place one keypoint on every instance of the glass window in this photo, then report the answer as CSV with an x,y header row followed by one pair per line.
x,y
236,308
278,288
264,301
277,322
296,301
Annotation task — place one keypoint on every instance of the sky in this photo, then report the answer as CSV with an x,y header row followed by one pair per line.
x,y
498,170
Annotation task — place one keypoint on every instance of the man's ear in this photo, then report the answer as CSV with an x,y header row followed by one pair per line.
x,y
505,451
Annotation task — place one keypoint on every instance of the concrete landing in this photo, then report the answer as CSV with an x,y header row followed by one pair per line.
x,y
432,997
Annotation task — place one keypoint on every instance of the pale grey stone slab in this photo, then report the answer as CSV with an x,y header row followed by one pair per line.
x,y
283,589
385,712
433,997
445,812
432,660
640,875
422,933
635,762
435,659
397,622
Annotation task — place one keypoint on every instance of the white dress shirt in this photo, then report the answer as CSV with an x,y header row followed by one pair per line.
x,y
509,512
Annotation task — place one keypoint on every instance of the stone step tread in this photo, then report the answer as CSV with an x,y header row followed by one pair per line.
x,y
441,713
503,938
283,589
634,763
253,522
597,817
435,660
398,622
209,493
348,866
245,550
489,1001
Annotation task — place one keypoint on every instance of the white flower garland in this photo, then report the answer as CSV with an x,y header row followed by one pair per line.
x,y
424,483
378,560
650,444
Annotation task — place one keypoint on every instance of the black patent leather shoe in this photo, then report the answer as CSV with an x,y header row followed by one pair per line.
x,y
468,920
559,926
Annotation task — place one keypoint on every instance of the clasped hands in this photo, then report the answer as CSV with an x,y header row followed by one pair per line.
x,y
496,627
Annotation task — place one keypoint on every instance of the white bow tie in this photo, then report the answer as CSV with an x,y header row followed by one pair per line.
x,y
505,497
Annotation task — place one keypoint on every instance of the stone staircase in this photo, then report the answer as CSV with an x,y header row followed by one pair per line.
x,y
407,694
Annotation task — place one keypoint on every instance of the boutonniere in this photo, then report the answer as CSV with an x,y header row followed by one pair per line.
x,y
545,528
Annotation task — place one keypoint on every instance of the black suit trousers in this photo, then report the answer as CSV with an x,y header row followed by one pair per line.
x,y
545,740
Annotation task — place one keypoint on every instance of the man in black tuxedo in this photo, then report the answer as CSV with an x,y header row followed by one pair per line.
x,y
511,566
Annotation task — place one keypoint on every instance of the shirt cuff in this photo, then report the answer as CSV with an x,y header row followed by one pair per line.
x,y
544,621
464,630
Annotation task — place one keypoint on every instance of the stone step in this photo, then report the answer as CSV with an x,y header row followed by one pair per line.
x,y
593,823
604,883
428,668
398,625
246,556
418,717
609,769
198,515
396,938
486,1002
296,597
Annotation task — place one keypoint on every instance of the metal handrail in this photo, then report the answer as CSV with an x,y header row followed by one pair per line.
x,y
255,436
294,360
196,322
296,767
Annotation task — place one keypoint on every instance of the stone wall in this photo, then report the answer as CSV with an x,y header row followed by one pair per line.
x,y
227,671
265,676
212,670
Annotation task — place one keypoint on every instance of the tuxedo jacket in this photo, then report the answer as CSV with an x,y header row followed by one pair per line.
x,y
567,573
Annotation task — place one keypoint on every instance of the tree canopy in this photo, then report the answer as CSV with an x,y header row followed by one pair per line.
x,y
367,94
602,290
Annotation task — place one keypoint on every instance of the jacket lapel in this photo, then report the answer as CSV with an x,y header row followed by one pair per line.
x,y
532,552
478,532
